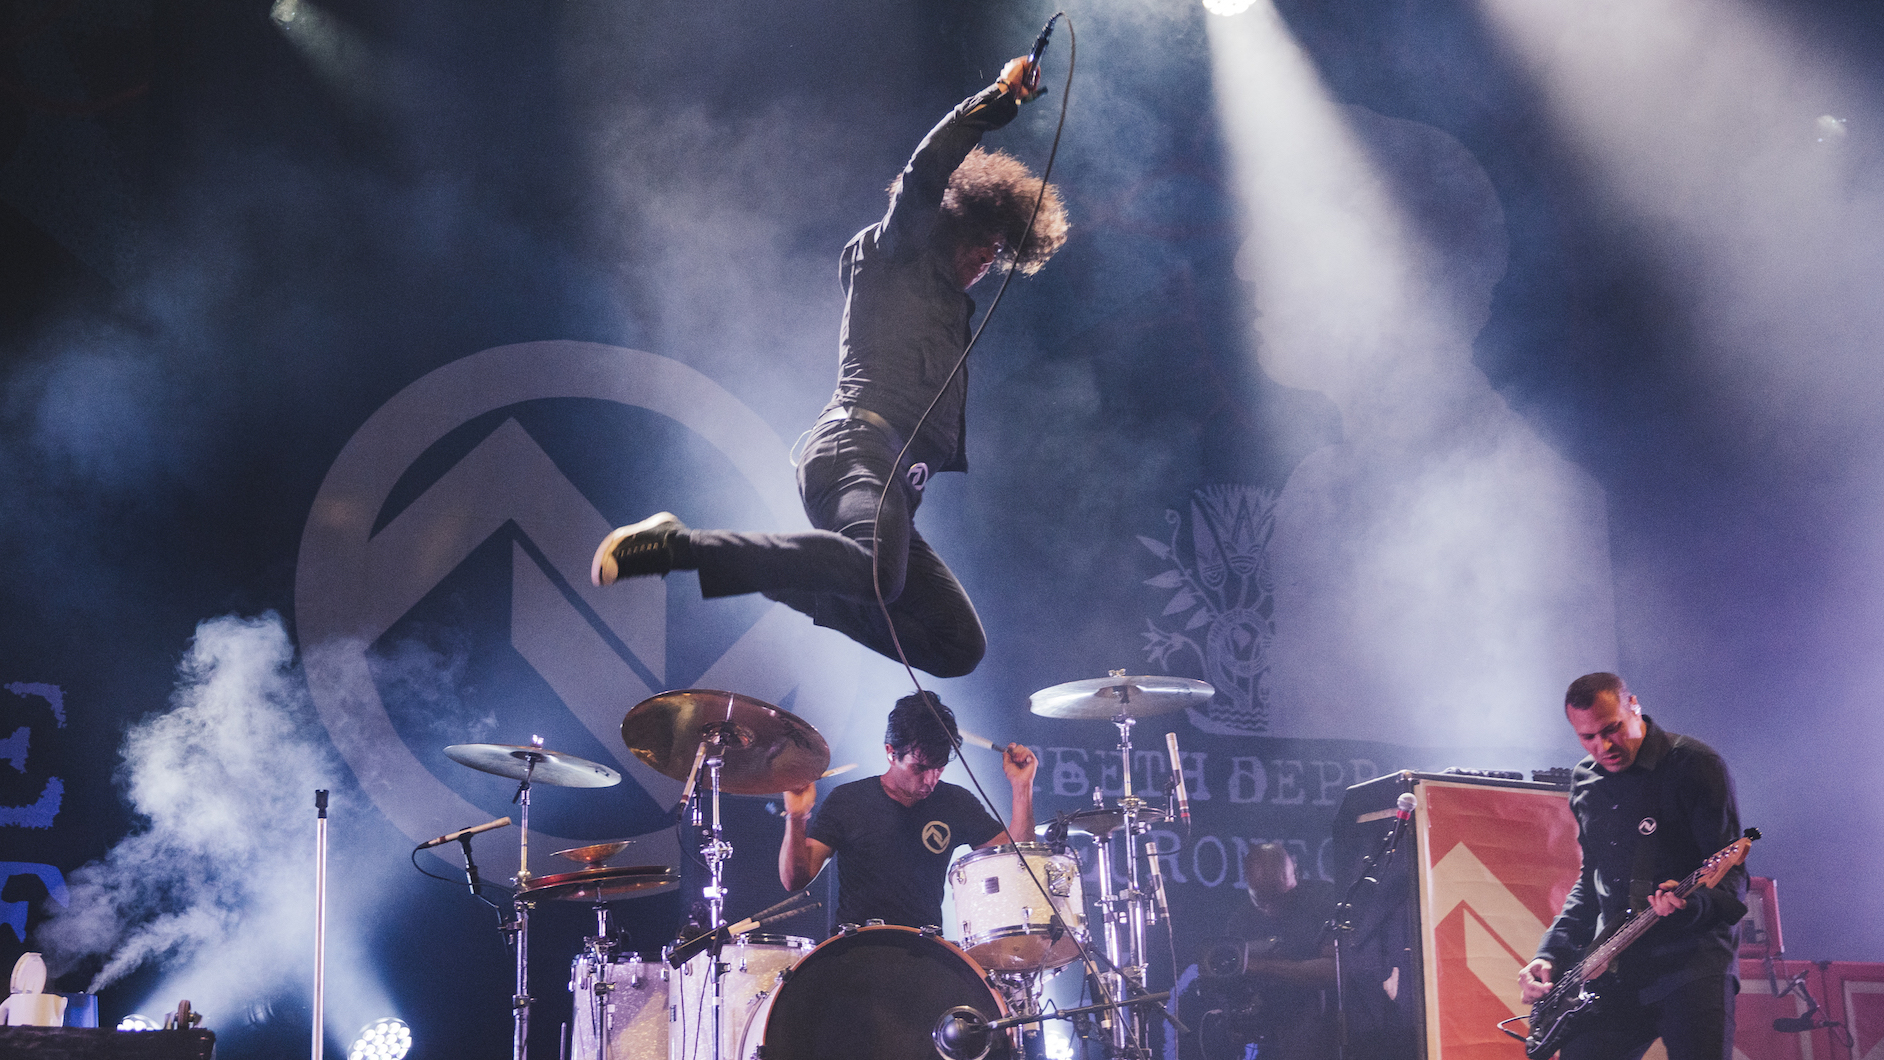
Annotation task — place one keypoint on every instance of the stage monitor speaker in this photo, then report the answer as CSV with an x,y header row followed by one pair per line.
x,y
1477,876
73,1043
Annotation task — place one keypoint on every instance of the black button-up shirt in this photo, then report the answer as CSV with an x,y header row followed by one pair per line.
x,y
905,315
1657,820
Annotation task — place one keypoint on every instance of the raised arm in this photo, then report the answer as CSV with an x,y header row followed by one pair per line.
x,y
1020,765
800,856
918,195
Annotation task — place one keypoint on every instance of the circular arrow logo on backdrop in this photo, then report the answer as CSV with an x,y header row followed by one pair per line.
x,y
376,546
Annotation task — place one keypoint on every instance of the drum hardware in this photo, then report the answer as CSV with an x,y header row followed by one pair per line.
x,y
794,904
964,1033
527,764
1125,907
746,747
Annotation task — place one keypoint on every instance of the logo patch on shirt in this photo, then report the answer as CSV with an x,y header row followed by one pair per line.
x,y
935,836
918,476
1647,827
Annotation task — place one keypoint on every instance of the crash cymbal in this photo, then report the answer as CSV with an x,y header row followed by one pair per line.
x,y
602,885
1105,698
513,761
595,853
1101,821
765,750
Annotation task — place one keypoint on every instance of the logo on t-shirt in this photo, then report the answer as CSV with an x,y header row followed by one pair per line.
x,y
935,836
1647,827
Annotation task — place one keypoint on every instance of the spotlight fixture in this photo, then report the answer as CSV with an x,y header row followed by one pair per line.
x,y
138,1022
285,11
386,1038
1226,8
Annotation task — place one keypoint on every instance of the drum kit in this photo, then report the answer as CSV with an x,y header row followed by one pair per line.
x,y
881,991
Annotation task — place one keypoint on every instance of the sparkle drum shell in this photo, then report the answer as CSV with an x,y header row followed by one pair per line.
x,y
755,965
1006,921
622,1004
876,993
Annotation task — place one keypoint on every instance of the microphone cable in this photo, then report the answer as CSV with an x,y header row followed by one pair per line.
x,y
876,569
876,538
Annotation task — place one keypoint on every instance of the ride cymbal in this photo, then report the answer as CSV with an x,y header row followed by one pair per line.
x,y
764,750
1106,698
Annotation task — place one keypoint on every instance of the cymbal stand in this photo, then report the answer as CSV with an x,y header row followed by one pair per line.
x,y
1125,950
596,954
519,928
1023,991
717,851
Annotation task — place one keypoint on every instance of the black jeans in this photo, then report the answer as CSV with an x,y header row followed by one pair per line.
x,y
826,573
1695,1022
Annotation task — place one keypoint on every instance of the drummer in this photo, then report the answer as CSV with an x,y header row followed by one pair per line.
x,y
893,834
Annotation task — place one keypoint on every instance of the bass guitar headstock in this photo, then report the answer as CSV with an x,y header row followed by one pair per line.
x,y
1733,854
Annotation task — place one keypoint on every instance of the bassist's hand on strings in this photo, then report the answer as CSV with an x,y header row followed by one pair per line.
x,y
1665,902
1534,980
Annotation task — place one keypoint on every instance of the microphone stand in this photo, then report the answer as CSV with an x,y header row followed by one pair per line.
x,y
320,921
470,868
1341,924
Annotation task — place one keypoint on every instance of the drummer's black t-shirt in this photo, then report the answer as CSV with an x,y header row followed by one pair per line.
x,y
891,858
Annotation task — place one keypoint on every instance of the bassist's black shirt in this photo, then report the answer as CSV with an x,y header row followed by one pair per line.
x,y
1657,820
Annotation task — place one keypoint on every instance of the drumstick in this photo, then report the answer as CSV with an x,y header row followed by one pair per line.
x,y
835,770
979,741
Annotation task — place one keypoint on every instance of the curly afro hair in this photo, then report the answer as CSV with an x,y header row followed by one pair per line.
x,y
989,199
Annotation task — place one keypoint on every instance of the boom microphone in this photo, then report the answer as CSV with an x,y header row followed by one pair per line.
x,y
1157,881
464,833
1177,777
1795,1024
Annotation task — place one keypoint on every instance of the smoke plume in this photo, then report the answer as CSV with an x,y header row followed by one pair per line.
x,y
217,882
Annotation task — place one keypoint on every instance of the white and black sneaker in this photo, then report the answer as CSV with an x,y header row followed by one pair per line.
x,y
640,549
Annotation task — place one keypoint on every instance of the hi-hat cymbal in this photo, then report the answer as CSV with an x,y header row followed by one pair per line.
x,y
764,750
602,885
514,761
1101,821
1105,698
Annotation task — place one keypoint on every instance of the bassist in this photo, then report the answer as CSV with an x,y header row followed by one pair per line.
x,y
1650,806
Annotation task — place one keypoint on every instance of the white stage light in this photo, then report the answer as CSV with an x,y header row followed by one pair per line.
x,y
1227,8
138,1022
386,1038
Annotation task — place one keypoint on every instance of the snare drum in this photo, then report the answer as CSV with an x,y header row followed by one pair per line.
x,y
1006,920
878,993
622,1003
754,966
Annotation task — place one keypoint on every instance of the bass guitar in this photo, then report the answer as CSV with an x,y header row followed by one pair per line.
x,y
1560,1014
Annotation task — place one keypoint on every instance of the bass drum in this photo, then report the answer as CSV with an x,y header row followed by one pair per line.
x,y
877,992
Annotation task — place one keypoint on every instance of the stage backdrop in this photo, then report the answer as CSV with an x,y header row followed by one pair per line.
x,y
334,335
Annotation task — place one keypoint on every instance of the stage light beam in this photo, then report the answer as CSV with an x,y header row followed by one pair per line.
x,y
1440,526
